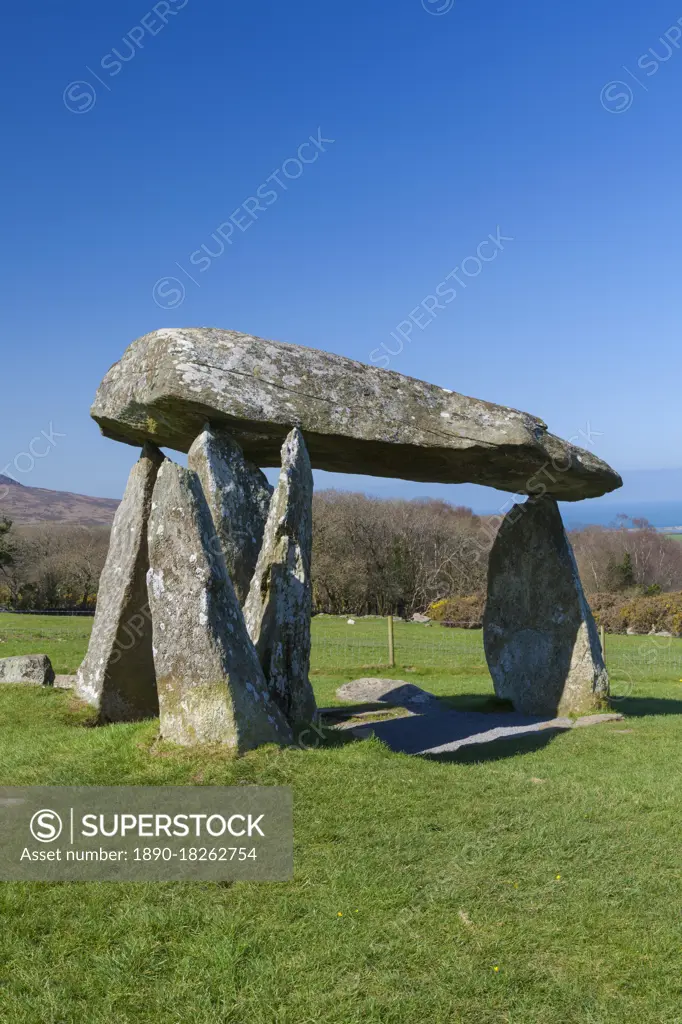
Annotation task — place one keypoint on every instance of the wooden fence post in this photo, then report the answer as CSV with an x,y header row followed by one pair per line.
x,y
391,645
602,636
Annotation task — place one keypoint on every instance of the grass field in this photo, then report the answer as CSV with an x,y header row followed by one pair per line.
x,y
539,882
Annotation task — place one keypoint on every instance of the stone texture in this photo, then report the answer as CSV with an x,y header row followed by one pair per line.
x,y
540,638
385,691
31,669
65,682
356,418
117,675
596,719
279,605
210,683
238,495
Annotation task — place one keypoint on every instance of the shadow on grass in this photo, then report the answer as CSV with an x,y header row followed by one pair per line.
x,y
631,707
527,743
484,703
638,707
447,735
324,735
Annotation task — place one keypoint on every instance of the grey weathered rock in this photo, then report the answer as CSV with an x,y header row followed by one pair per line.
x,y
424,619
356,418
31,669
597,719
540,638
117,675
210,683
65,682
385,691
238,495
279,605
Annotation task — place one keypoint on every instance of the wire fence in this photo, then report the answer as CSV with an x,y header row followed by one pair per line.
x,y
373,642
652,657
366,643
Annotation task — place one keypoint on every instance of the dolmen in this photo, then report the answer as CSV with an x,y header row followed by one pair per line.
x,y
204,608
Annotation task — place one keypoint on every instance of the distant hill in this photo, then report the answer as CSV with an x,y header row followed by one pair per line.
x,y
30,505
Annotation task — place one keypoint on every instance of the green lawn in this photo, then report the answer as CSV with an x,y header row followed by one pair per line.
x,y
64,638
539,883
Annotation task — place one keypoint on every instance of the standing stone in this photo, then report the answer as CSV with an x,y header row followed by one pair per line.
x,y
117,675
210,683
279,605
238,495
540,638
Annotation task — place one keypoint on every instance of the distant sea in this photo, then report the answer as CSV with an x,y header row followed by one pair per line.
x,y
660,514
653,494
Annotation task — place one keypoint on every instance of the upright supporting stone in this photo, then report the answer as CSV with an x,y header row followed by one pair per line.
x,y
117,675
210,683
278,608
238,495
540,638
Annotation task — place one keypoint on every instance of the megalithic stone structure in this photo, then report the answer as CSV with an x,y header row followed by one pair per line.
x,y
210,683
238,496
117,676
220,681
540,637
356,418
279,605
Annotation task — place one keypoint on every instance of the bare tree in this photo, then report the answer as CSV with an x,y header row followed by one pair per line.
x,y
54,566
631,554
373,556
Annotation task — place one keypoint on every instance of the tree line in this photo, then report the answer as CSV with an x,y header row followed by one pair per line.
x,y
51,565
371,556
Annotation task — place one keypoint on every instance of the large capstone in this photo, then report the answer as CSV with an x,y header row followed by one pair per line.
x,y
279,605
210,682
117,675
238,495
540,638
356,418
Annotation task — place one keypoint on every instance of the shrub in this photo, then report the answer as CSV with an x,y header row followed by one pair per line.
x,y
606,609
466,612
642,613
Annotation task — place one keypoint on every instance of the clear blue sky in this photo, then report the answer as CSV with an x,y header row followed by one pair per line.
x,y
447,126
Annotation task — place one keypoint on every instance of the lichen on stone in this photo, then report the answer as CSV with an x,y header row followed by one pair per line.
x,y
210,682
